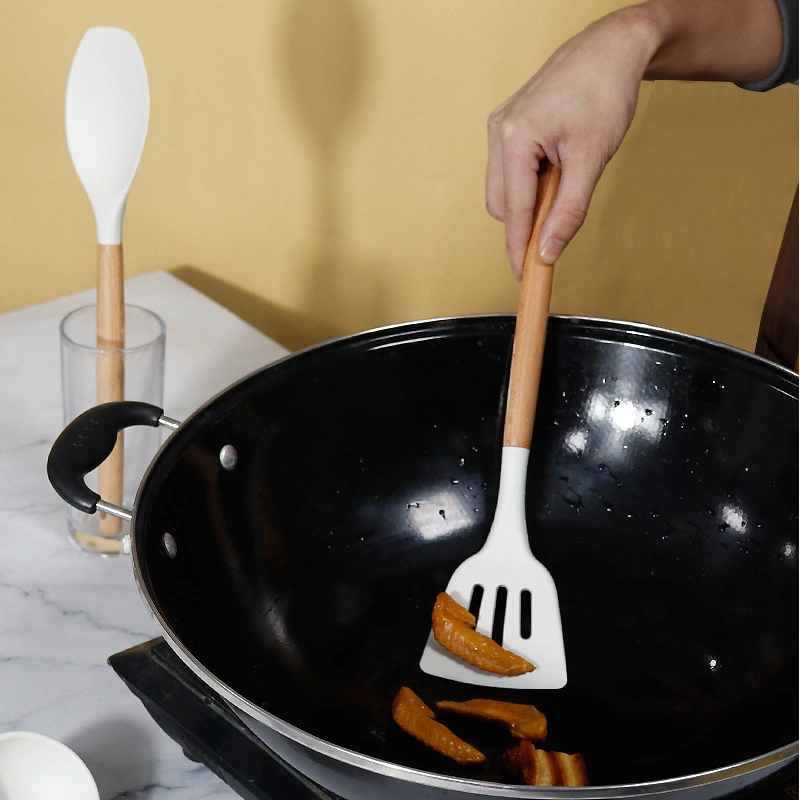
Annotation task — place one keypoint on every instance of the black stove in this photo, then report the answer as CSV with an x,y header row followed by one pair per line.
x,y
209,732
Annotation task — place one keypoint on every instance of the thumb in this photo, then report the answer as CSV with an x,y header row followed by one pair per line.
x,y
569,210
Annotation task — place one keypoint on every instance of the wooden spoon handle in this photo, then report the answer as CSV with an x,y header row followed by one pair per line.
x,y
531,327
110,303
110,368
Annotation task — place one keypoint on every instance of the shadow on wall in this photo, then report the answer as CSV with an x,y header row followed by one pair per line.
x,y
322,65
291,329
323,69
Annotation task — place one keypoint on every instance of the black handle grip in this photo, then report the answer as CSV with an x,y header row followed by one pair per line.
x,y
87,442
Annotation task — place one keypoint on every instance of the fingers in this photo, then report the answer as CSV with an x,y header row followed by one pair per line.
x,y
520,183
578,181
519,225
511,184
495,193
562,223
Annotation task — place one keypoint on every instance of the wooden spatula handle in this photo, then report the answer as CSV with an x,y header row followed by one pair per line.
x,y
532,313
110,368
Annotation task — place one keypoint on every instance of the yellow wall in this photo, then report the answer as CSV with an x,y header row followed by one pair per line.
x,y
318,167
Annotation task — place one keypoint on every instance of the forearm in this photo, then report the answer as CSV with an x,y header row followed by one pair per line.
x,y
726,40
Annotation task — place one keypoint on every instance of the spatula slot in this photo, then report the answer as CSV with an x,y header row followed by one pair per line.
x,y
525,614
499,619
475,600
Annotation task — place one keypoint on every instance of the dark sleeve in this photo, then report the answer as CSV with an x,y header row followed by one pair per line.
x,y
786,71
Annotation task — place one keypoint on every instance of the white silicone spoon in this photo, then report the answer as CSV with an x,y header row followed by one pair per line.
x,y
107,113
505,561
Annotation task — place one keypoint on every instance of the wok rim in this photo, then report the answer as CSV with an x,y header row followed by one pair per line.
x,y
779,756
640,328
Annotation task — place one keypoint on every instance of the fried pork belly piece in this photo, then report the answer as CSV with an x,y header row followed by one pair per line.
x,y
522,721
543,768
415,718
453,627
451,608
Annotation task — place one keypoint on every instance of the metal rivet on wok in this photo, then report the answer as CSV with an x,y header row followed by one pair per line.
x,y
170,545
228,457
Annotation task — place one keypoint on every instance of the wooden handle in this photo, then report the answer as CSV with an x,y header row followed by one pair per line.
x,y
531,327
110,369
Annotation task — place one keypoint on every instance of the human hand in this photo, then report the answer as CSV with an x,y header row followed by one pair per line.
x,y
575,112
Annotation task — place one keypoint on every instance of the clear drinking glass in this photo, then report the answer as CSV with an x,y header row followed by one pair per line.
x,y
143,369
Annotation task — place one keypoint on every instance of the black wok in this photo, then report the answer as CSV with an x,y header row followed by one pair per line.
x,y
297,579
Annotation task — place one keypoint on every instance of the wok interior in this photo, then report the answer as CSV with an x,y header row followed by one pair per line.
x,y
662,496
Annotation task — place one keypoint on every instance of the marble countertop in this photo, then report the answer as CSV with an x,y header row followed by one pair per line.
x,y
63,612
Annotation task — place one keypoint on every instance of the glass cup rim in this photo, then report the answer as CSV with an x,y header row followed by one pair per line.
x,y
162,331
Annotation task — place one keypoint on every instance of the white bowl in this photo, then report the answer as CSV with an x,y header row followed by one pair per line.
x,y
36,767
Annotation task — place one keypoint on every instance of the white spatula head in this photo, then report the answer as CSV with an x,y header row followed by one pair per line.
x,y
531,618
107,114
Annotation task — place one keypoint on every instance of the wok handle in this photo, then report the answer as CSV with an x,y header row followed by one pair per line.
x,y
87,441
533,310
